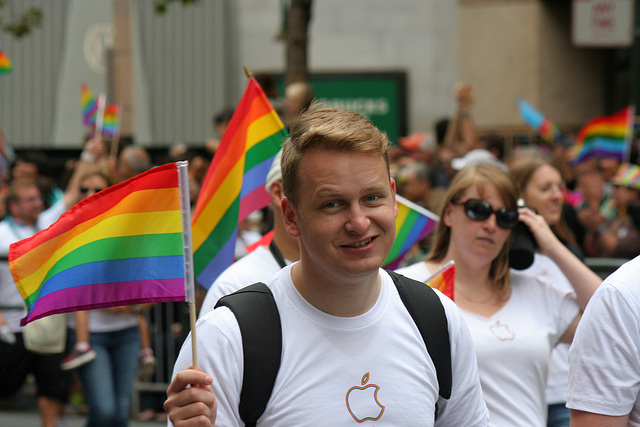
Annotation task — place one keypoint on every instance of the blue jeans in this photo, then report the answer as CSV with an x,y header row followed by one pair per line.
x,y
558,415
108,380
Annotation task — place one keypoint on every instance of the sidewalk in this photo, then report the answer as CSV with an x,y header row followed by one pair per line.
x,y
32,419
21,411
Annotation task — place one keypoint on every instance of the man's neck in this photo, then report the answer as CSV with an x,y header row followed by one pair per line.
x,y
341,298
287,245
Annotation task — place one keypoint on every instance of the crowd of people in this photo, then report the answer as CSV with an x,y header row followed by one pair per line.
x,y
344,324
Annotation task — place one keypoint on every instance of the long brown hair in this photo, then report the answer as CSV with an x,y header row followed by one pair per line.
x,y
478,176
521,172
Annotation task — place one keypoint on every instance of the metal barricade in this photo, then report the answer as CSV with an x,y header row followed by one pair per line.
x,y
603,267
168,327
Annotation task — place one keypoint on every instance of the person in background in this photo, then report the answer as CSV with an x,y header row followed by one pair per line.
x,y
132,161
542,188
91,182
339,202
220,122
118,335
26,216
515,319
264,261
604,373
619,237
298,96
414,183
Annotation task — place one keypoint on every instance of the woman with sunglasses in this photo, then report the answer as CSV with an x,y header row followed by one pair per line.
x,y
515,319
541,187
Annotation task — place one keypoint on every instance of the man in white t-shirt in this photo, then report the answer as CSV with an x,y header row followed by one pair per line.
x,y
25,217
350,349
604,367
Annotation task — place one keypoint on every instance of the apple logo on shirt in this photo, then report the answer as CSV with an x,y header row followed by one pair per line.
x,y
502,331
362,401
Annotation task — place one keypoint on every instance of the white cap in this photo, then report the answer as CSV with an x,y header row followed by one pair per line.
x,y
477,156
275,173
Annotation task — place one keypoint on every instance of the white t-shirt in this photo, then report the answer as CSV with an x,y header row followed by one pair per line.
x,y
558,378
604,375
258,266
513,346
338,370
12,231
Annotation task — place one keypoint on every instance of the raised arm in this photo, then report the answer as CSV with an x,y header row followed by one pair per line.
x,y
461,135
582,279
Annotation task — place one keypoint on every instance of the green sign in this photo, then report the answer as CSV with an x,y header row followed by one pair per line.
x,y
381,97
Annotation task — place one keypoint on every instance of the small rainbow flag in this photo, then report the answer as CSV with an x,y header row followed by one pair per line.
x,y
538,122
111,120
89,104
608,136
413,224
121,246
5,64
444,279
234,185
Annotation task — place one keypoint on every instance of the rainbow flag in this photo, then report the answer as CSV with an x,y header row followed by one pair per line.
x,y
538,122
444,279
234,185
5,64
89,104
413,224
111,120
121,246
608,136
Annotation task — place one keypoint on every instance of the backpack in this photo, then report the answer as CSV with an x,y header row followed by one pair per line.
x,y
257,314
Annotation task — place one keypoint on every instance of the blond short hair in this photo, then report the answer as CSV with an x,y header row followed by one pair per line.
x,y
331,129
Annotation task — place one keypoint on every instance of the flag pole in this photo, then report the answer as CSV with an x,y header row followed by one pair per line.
x,y
187,244
247,71
100,113
116,137
630,133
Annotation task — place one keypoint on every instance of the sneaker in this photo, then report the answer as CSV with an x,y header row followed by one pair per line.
x,y
77,358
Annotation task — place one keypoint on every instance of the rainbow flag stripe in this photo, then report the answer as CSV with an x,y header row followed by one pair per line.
x,y
607,136
444,279
538,122
413,224
111,121
121,246
5,64
234,185
89,104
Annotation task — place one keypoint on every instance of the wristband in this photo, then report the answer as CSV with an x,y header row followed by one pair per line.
x,y
87,157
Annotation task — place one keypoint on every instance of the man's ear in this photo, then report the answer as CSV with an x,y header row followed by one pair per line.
x,y
276,193
290,217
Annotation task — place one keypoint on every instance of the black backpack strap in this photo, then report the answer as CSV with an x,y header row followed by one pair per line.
x,y
428,313
259,320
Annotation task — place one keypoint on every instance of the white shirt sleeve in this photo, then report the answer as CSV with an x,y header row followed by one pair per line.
x,y
604,375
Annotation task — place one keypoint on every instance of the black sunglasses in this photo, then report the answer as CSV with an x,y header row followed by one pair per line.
x,y
479,210
85,190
